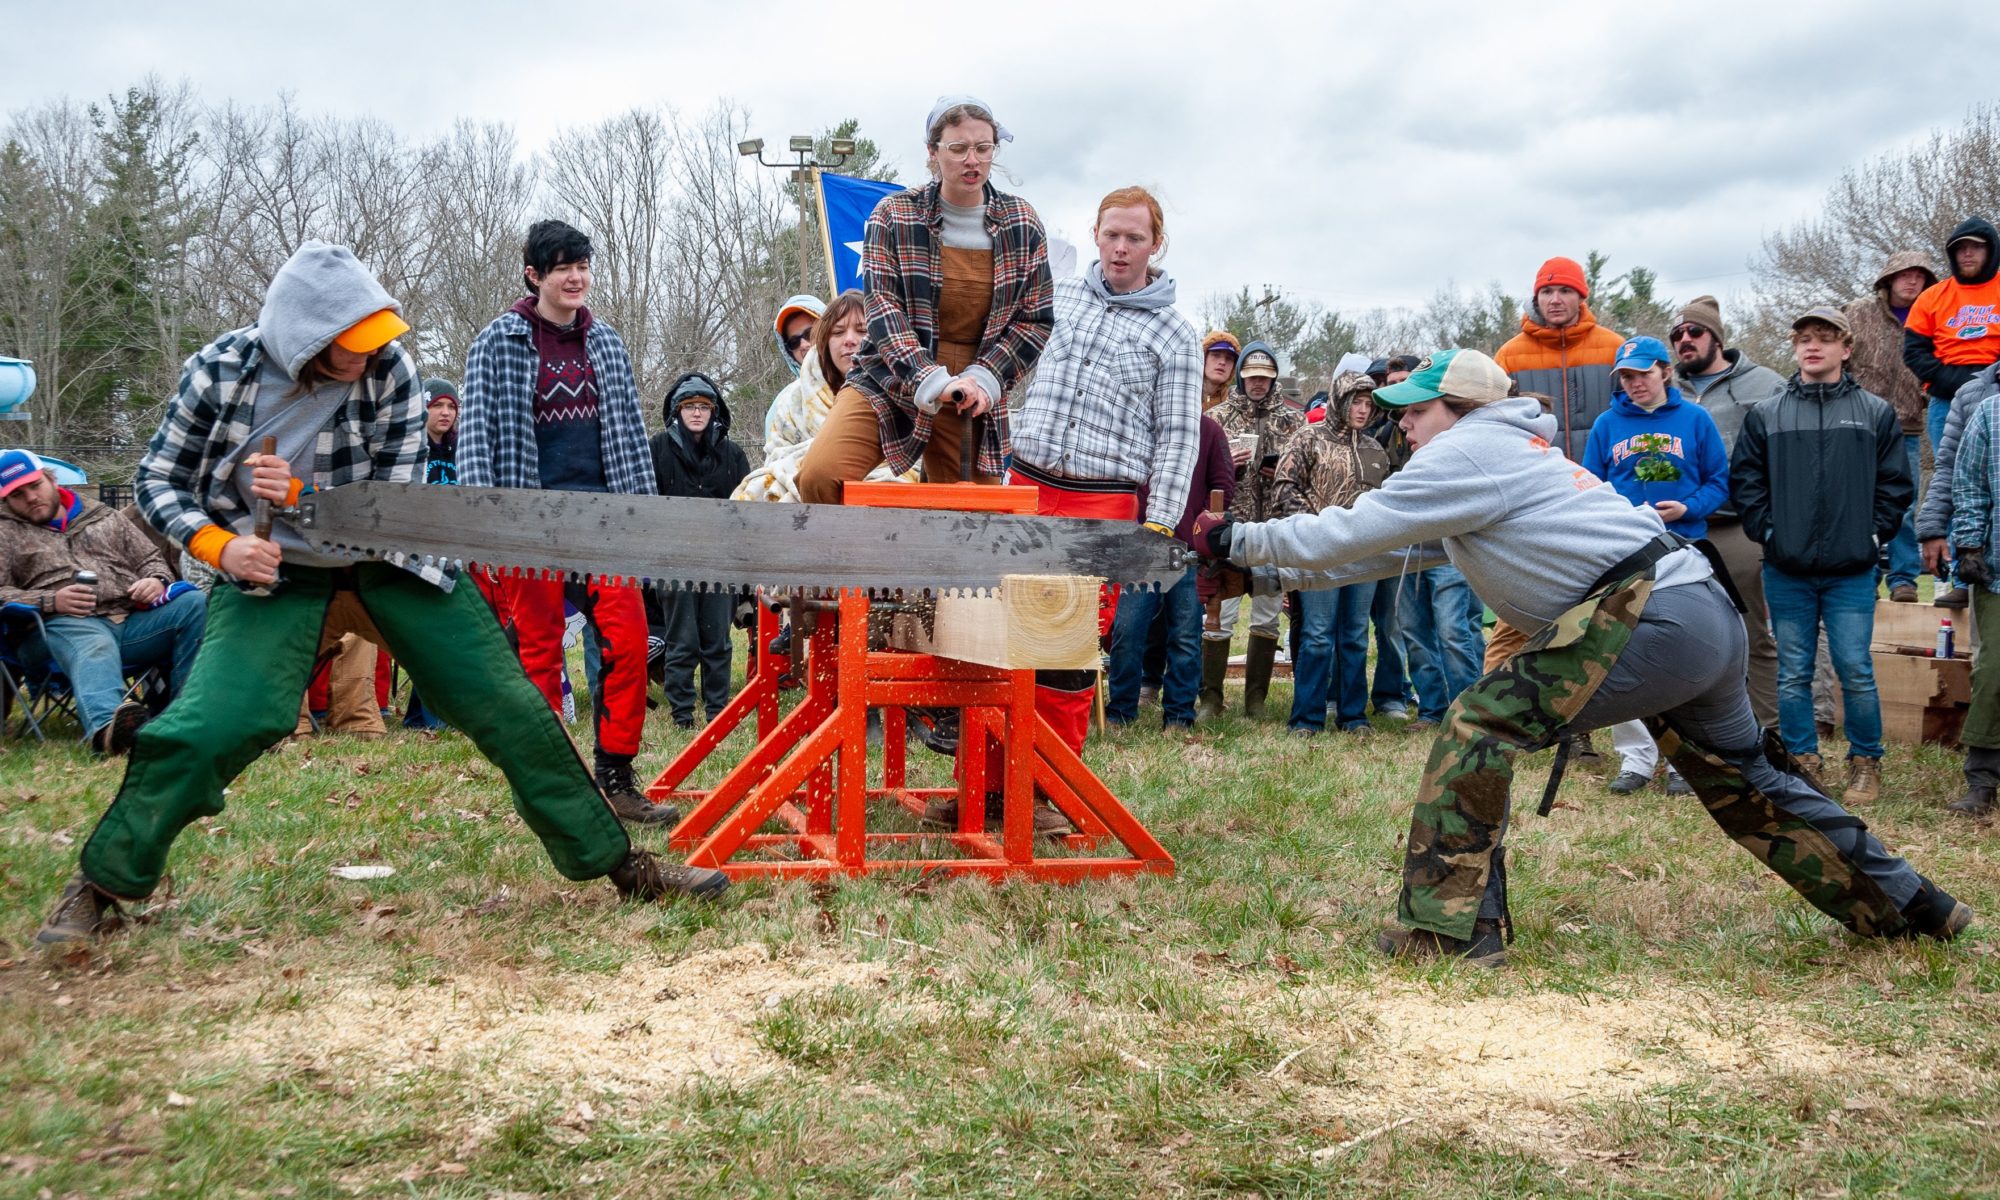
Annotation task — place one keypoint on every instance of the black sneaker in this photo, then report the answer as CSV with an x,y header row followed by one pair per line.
x,y
646,876
83,913
118,734
1486,949
621,791
1677,785
1629,782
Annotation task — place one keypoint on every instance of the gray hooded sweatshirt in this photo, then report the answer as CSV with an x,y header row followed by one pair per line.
x,y
320,292
1532,531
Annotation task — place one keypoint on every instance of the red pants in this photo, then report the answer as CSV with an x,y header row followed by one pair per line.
x,y
1063,698
618,710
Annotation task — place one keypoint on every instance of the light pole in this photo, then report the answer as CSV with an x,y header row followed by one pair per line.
x,y
803,171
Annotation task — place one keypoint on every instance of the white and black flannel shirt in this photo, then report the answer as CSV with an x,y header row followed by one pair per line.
x,y
183,483
1116,397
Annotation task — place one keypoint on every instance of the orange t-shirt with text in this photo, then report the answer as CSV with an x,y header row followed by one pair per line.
x,y
1962,321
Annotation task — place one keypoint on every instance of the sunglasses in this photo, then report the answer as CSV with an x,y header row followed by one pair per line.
x,y
1686,333
798,339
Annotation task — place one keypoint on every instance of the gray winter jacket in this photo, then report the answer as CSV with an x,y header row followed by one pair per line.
x,y
1729,399
1934,513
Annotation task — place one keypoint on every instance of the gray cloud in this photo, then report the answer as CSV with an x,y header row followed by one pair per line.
x,y
1354,155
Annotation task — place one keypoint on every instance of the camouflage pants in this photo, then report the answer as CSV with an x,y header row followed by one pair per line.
x,y
1698,711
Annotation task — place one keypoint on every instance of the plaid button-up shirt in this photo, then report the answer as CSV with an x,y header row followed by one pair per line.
x,y
183,484
902,274
496,426
1116,396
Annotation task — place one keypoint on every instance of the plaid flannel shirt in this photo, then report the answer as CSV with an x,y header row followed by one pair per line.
x,y
902,273
496,423
1974,484
1116,396
183,483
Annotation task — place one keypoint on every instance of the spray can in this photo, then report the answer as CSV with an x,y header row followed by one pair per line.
x,y
1944,639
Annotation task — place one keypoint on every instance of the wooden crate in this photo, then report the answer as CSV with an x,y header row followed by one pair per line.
x,y
1915,627
1923,699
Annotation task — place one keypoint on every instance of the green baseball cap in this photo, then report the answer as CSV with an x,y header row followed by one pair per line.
x,y
1465,374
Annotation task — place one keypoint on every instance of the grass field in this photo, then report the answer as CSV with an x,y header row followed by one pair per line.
x,y
1675,1022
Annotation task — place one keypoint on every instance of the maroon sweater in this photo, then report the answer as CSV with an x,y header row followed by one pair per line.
x,y
567,446
1213,468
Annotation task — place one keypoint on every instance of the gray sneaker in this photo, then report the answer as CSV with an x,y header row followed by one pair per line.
x,y
1677,785
646,876
83,913
1629,782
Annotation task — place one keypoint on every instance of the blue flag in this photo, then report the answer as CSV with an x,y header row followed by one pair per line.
x,y
845,205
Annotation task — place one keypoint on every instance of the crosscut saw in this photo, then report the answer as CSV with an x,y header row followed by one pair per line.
x,y
725,545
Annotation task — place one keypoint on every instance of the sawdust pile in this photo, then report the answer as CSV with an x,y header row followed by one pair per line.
x,y
649,1027
1526,1068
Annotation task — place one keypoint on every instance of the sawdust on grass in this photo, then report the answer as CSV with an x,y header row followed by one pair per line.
x,y
637,1033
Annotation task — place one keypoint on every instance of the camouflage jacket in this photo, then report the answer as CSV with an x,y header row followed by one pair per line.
x,y
1324,467
1878,364
1272,422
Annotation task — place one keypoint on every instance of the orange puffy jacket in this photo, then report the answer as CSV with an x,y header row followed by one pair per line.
x,y
1572,365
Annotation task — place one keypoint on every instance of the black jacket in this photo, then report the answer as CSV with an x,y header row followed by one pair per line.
x,y
1942,379
1819,473
685,465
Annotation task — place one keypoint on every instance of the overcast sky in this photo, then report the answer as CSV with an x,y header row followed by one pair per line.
x,y
1350,154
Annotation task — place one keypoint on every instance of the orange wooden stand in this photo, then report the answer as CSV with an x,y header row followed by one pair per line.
x,y
797,805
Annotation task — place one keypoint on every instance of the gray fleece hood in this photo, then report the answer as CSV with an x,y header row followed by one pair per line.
x,y
320,291
1159,291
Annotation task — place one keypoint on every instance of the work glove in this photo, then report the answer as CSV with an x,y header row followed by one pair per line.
x,y
1211,534
1972,566
1218,580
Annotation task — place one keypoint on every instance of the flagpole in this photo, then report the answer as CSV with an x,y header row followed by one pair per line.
x,y
825,234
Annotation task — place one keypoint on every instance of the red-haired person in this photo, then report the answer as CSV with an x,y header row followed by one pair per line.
x,y
956,284
1115,405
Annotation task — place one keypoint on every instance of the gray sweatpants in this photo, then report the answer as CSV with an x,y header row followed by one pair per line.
x,y
1685,662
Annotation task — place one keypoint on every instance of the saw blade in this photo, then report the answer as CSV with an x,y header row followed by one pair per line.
x,y
724,545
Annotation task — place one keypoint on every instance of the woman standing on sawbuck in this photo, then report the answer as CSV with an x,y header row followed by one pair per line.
x,y
959,303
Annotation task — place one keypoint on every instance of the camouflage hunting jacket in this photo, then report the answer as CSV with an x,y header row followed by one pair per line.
x,y
1323,467
1273,423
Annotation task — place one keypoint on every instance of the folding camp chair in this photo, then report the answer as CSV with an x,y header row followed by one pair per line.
x,y
31,678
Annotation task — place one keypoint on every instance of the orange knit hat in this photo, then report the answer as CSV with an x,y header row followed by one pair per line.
x,y
1563,272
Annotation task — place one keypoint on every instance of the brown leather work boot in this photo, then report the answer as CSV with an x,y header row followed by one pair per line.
x,y
647,876
84,912
1864,781
1486,949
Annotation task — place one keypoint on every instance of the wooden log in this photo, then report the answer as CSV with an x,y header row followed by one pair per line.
x,y
1040,622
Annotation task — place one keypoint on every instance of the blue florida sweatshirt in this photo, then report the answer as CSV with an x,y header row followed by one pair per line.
x,y
1694,445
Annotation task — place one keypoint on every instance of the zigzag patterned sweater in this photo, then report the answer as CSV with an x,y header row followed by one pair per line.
x,y
567,445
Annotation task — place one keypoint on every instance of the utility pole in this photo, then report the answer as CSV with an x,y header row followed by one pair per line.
x,y
805,173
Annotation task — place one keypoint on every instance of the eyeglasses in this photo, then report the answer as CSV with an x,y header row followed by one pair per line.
x,y
1686,333
979,150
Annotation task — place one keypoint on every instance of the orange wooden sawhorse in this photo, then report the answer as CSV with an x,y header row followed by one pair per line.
x,y
808,772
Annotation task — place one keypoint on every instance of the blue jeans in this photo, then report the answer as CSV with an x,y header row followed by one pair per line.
x,y
95,653
1845,605
1332,667
1447,619
1392,682
1934,419
1905,564
1129,629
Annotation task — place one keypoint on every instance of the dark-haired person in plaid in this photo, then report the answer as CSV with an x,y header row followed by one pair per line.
x,y
322,374
550,403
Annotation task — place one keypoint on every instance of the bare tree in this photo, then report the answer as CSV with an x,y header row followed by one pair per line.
x,y
1904,200
477,190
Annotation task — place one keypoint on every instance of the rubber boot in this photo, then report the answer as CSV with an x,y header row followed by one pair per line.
x,y
1257,674
1214,669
